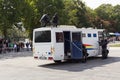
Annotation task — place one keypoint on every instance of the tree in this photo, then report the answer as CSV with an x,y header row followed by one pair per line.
x,y
116,17
77,13
6,13
69,13
92,17
104,11
10,12
40,7
109,16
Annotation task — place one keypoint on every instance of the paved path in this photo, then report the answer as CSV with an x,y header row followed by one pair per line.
x,y
26,68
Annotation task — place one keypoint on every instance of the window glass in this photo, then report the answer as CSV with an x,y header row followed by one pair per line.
x,y
43,36
59,37
76,36
83,35
100,34
94,35
89,35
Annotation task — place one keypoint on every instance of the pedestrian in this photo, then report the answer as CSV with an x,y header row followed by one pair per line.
x,y
31,45
18,47
1,46
4,47
85,54
27,46
15,47
103,44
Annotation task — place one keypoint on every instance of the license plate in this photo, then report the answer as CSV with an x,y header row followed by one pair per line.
x,y
42,57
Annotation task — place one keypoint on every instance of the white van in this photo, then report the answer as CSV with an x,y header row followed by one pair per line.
x,y
65,43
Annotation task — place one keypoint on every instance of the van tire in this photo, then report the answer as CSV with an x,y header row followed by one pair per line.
x,y
84,59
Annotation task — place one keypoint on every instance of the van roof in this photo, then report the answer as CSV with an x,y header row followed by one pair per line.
x,y
66,27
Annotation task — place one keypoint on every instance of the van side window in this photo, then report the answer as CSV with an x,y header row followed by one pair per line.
x,y
100,33
94,35
89,35
59,37
83,35
76,36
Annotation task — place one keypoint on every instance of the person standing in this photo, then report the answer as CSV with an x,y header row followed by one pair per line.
x,y
103,44
27,46
1,46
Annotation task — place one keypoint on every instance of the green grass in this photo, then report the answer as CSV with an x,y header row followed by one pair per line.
x,y
115,45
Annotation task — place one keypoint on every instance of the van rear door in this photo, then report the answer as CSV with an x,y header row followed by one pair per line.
x,y
76,45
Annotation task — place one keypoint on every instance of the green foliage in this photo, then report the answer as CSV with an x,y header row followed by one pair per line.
x,y
83,19
104,11
76,13
7,15
109,17
70,12
116,16
114,45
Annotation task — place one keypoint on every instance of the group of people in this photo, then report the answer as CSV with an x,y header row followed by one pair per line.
x,y
8,46
45,19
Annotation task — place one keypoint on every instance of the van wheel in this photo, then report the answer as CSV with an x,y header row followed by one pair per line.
x,y
84,59
57,61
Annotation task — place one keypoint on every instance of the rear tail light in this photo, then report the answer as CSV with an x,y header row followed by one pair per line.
x,y
35,57
50,58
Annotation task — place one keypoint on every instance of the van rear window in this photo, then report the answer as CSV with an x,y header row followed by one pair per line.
x,y
42,36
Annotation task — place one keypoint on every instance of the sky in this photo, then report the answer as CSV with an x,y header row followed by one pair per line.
x,y
96,3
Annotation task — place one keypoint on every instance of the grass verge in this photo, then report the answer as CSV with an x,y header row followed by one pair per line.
x,y
115,45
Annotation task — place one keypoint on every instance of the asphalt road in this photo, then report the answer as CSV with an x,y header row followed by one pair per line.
x,y
22,66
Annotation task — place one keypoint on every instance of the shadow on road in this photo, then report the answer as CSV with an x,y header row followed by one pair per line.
x,y
76,67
